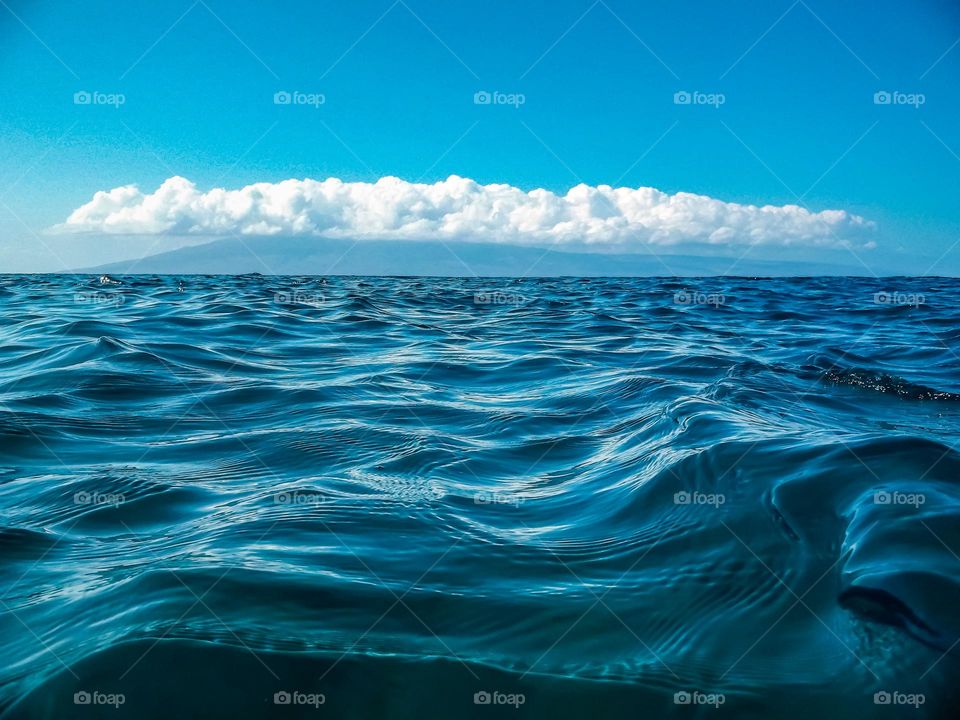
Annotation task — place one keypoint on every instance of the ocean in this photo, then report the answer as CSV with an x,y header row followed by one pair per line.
x,y
251,496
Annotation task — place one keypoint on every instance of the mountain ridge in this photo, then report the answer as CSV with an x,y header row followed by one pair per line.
x,y
323,256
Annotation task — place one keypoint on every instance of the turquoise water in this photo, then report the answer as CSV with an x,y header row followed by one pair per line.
x,y
390,497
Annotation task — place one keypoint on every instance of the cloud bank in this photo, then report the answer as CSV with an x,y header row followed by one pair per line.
x,y
463,210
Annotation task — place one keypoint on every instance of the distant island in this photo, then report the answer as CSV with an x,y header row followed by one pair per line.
x,y
318,256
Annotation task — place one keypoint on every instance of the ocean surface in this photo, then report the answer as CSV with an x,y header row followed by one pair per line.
x,y
413,498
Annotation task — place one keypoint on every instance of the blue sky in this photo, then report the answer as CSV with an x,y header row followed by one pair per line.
x,y
798,123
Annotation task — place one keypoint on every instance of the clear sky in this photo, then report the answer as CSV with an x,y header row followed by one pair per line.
x,y
799,122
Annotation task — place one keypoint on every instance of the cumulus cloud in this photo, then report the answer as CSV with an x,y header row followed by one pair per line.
x,y
460,209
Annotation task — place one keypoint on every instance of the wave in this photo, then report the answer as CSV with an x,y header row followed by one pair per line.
x,y
399,493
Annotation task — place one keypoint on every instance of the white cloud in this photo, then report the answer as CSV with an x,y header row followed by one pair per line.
x,y
461,209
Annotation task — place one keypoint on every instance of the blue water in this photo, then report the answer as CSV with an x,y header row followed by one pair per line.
x,y
624,498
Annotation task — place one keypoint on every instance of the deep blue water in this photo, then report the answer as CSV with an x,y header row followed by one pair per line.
x,y
395,495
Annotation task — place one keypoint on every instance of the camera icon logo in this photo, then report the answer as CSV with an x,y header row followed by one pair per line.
x,y
882,98
881,497
882,698
82,698
282,698
82,98
482,698
682,97
682,698
681,498
482,97
282,97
